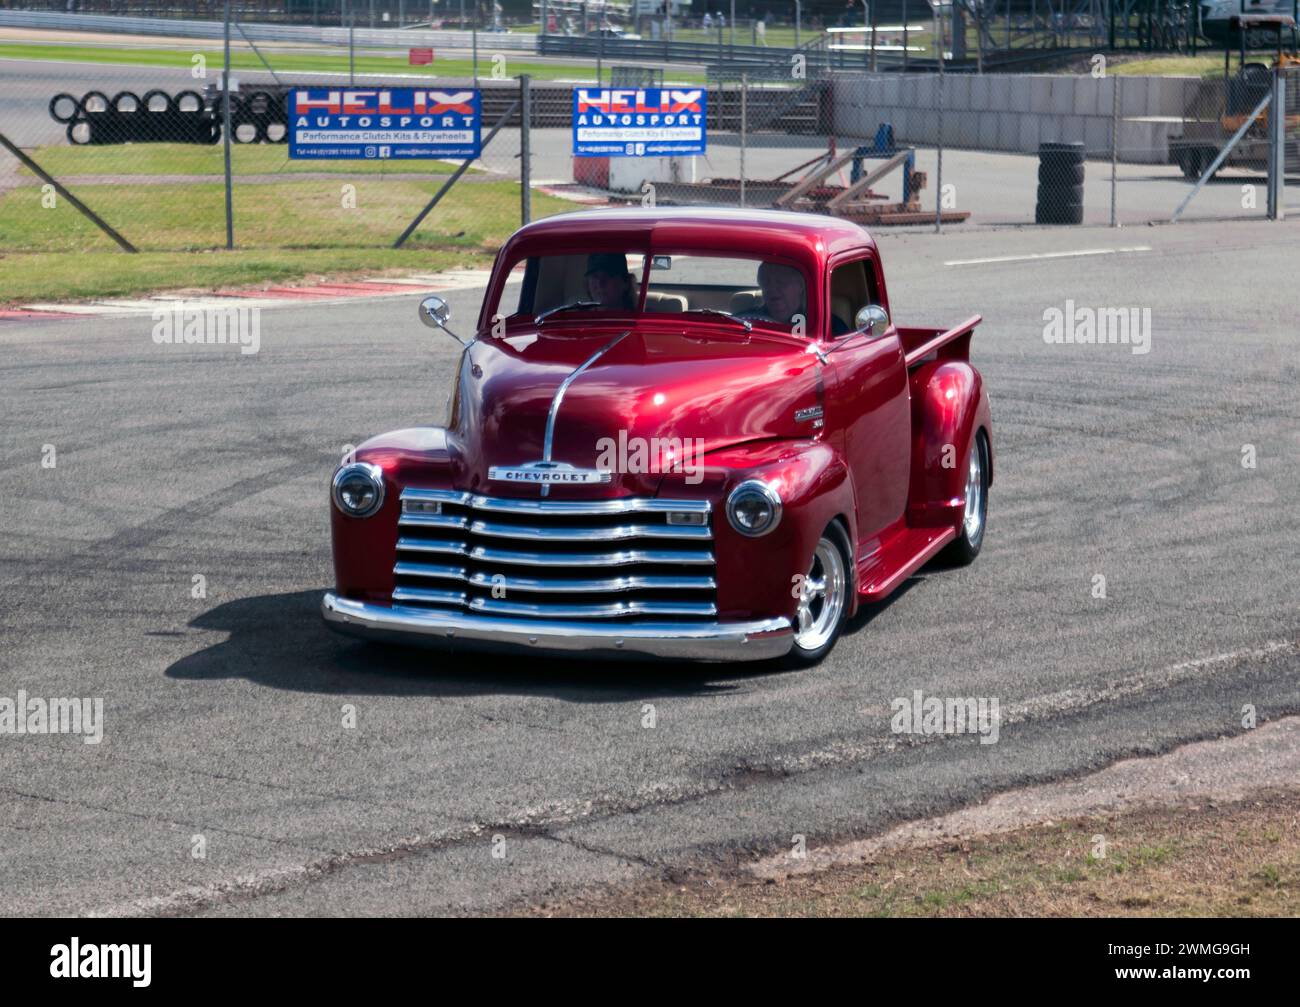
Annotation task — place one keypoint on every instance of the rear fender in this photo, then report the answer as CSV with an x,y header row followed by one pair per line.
x,y
949,405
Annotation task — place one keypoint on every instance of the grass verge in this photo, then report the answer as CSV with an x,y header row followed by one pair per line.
x,y
283,231
1196,860
307,62
192,159
27,277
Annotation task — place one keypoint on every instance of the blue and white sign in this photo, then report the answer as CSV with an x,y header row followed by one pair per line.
x,y
638,122
337,123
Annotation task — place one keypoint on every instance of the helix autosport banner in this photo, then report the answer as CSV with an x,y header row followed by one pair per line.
x,y
333,123
638,122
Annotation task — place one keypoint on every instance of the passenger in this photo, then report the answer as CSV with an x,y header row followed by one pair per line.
x,y
784,297
609,281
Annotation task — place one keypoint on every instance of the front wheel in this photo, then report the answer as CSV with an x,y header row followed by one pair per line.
x,y
970,534
823,598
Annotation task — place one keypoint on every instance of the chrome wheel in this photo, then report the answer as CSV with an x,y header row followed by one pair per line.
x,y
973,521
821,597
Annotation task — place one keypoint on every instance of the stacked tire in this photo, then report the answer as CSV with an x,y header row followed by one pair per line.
x,y
154,117
1060,183
157,117
259,117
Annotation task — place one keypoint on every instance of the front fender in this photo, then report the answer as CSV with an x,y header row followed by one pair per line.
x,y
756,575
949,405
364,547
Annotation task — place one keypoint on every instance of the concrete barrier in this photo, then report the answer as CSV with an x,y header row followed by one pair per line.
x,y
1016,112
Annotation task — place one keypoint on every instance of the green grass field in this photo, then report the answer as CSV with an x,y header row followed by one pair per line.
x,y
190,159
28,278
283,231
1206,64
307,62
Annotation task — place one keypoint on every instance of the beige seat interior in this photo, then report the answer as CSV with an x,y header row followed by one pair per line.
x,y
746,300
670,303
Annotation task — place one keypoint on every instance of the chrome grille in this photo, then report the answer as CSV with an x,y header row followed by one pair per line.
x,y
556,559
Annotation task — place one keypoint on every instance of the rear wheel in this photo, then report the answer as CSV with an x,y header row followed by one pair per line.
x,y
824,596
970,534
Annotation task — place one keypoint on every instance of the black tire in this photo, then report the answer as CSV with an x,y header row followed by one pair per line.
x,y
191,98
1070,148
1070,193
246,131
95,103
70,116
147,100
1060,176
967,545
1062,205
798,657
123,97
78,128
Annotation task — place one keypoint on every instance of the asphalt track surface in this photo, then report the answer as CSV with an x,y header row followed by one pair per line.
x,y
224,714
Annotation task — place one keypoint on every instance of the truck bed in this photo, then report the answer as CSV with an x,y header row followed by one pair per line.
x,y
938,344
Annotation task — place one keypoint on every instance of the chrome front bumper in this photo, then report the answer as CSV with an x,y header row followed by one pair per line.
x,y
685,641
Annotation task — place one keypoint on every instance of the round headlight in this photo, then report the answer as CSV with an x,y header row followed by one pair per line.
x,y
753,508
359,489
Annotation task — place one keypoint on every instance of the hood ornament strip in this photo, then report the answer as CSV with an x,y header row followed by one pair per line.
x,y
559,397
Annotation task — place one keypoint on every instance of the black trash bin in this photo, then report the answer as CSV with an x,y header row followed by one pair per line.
x,y
1060,183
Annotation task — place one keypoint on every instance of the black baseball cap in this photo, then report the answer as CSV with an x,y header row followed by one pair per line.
x,y
613,263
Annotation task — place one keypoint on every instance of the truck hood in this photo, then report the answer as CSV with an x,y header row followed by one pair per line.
x,y
706,389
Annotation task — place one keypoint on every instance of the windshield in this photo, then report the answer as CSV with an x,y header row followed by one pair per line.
x,y
768,293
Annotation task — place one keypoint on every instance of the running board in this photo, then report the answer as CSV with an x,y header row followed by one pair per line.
x,y
898,558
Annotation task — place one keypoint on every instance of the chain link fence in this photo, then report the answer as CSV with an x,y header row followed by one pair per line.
x,y
993,149
103,155
107,155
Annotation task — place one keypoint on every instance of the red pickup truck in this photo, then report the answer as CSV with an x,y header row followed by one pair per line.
x,y
690,434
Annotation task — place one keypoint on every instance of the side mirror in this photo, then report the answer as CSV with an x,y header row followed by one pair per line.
x,y
435,313
871,316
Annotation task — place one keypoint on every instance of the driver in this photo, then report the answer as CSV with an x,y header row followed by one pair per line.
x,y
784,297
609,281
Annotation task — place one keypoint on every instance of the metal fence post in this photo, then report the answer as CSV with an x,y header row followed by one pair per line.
x,y
225,130
1114,151
938,181
905,36
938,174
525,127
744,110
1277,146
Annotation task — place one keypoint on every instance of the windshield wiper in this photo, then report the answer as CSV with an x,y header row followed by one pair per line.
x,y
749,326
565,307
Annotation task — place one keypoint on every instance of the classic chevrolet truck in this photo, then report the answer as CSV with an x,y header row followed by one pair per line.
x,y
687,433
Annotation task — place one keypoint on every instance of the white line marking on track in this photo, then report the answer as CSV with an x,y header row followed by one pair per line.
x,y
1049,255
273,880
